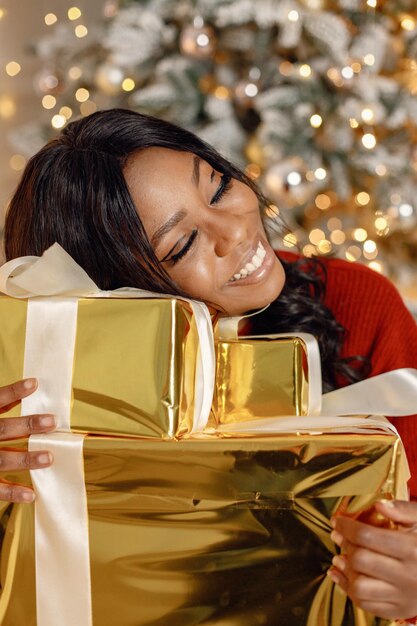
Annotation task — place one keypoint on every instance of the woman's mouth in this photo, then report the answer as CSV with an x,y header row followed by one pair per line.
x,y
256,268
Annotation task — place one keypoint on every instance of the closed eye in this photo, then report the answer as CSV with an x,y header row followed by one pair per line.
x,y
179,255
226,183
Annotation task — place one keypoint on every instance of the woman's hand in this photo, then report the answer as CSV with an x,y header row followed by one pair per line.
x,y
378,567
14,427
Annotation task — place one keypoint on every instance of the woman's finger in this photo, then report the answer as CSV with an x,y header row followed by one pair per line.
x,y
399,511
15,427
385,541
16,493
12,394
24,460
372,564
364,587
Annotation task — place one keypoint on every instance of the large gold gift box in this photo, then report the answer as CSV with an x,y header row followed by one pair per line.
x,y
213,531
134,369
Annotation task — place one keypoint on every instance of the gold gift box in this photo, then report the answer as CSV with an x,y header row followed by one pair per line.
x,y
259,378
216,531
134,365
135,368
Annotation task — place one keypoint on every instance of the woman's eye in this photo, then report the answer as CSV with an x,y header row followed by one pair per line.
x,y
226,183
179,255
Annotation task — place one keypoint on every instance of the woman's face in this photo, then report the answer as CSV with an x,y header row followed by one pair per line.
x,y
206,232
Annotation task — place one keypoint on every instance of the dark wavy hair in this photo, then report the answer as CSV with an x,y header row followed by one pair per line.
x,y
73,191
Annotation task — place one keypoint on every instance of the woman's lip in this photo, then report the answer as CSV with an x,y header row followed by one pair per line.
x,y
260,273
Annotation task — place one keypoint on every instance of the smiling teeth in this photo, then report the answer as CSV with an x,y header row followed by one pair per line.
x,y
255,262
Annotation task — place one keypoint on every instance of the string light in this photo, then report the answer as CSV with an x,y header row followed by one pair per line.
x,y
286,68
405,210
337,237
50,19
74,13
369,246
347,72
17,162
320,173
360,234
253,170
58,121
88,107
369,59
353,122
316,120
66,112
369,141
75,72
324,247
356,67
322,201
368,115
380,169
7,107
272,211
81,31
3,13
371,3
376,266
309,250
293,16
294,178
48,102
13,68
290,240
334,223
305,71
82,94
381,224
316,236
222,93
362,198
128,84
353,253
408,23
251,90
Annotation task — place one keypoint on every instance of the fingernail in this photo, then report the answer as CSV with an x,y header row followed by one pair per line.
x,y
29,383
46,421
339,562
389,503
336,537
332,574
28,496
44,458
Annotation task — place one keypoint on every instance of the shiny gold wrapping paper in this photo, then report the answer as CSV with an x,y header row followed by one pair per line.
x,y
260,378
134,365
218,532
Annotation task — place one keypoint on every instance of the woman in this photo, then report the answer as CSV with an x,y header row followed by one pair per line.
x,y
139,202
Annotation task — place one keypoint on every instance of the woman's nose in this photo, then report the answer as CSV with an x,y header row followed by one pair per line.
x,y
229,231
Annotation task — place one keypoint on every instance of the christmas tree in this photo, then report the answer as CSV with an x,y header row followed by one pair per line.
x,y
315,99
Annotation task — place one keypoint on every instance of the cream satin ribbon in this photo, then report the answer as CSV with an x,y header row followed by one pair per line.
x,y
62,558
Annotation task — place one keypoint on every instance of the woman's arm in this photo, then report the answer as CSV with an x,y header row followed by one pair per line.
x,y
15,427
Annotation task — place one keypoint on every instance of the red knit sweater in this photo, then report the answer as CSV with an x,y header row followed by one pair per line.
x,y
378,326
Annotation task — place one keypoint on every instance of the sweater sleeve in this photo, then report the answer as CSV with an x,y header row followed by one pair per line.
x,y
378,326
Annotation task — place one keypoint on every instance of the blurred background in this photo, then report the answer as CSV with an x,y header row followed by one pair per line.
x,y
315,99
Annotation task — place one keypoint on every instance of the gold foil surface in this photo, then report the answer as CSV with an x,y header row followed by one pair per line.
x,y
134,364
217,532
260,378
